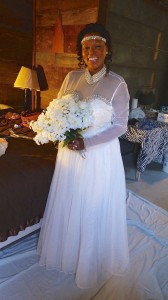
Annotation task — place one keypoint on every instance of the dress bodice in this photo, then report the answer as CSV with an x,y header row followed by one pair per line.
x,y
102,113
102,117
109,98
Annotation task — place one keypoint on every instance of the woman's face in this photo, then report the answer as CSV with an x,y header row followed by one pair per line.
x,y
93,53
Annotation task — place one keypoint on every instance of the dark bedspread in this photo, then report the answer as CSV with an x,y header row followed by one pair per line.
x,y
26,171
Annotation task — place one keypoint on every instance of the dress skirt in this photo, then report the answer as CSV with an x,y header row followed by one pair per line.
x,y
84,230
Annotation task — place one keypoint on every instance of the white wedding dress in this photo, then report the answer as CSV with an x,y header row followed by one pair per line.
x,y
84,231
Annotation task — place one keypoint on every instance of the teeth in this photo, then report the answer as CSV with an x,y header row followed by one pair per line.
x,y
92,58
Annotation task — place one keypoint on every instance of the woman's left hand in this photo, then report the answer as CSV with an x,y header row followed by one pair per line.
x,y
77,144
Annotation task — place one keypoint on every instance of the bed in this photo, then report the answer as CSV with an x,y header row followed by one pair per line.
x,y
26,171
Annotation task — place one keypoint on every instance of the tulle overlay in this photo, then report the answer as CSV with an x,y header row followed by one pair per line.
x,y
84,229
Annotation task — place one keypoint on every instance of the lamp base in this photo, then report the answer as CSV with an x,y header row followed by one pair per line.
x,y
27,100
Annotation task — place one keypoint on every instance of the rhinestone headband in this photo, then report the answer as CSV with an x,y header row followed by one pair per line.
x,y
93,37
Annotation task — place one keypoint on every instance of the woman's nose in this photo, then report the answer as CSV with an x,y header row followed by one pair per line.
x,y
91,50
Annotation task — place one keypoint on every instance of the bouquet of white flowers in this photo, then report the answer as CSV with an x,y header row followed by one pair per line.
x,y
62,121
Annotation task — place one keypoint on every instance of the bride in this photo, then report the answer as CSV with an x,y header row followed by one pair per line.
x,y
84,230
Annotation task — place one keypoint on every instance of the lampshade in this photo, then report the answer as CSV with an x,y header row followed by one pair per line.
x,y
27,79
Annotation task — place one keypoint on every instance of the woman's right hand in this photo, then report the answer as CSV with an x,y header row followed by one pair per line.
x,y
76,145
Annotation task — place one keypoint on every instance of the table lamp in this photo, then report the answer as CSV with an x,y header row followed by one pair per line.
x,y
28,81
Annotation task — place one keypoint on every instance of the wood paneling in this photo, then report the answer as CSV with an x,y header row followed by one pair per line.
x,y
159,4
65,5
140,45
75,15
134,29
15,47
70,37
46,18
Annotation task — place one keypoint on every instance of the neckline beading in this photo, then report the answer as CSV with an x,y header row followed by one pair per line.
x,y
96,77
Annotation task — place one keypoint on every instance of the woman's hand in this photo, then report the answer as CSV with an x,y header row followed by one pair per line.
x,y
77,144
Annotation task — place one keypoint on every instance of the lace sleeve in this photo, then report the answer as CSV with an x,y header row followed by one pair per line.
x,y
120,103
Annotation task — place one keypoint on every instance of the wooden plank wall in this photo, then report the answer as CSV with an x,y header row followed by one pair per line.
x,y
74,15
140,45
139,34
15,47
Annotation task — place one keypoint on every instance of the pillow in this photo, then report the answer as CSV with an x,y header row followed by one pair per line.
x,y
3,146
5,108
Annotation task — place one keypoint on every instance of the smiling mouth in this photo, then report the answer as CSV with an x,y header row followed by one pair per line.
x,y
92,59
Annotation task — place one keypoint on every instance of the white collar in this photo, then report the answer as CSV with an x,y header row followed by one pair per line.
x,y
96,77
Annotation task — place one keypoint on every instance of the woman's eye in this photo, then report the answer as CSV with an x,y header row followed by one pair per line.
x,y
88,48
97,46
85,48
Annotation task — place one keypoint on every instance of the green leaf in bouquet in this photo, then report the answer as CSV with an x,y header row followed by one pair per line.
x,y
71,135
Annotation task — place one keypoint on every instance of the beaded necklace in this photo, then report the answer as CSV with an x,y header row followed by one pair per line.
x,y
96,77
